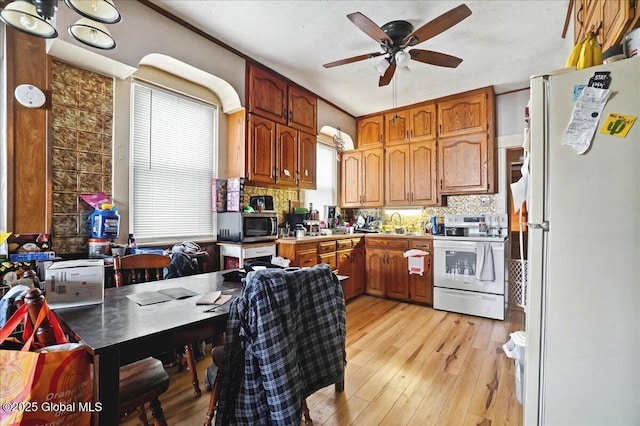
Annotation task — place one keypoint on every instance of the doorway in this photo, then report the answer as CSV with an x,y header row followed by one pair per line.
x,y
517,233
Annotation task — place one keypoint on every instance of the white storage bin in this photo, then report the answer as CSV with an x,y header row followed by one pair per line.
x,y
514,349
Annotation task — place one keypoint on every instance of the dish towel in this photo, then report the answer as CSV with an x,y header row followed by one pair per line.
x,y
484,270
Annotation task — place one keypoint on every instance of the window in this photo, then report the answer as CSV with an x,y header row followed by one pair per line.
x,y
173,146
326,193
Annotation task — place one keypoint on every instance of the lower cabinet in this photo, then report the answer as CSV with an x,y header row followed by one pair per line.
x,y
350,257
421,287
346,256
386,267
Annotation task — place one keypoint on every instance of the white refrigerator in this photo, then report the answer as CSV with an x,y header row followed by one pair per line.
x,y
582,356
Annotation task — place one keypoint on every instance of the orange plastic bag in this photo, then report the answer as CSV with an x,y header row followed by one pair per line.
x,y
52,386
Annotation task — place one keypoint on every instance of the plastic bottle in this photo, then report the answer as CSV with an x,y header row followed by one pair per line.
x,y
131,243
105,222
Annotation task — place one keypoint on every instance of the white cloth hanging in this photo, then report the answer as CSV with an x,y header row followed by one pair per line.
x,y
484,262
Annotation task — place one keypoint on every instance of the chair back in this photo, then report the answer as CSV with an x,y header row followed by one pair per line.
x,y
139,268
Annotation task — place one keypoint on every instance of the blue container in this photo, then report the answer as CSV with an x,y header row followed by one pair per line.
x,y
105,222
434,226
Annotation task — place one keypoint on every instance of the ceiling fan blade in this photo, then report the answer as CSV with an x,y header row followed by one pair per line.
x,y
353,59
438,25
369,27
388,75
435,58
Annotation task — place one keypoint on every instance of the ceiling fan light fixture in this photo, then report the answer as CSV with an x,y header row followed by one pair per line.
x,y
103,11
382,66
402,58
92,34
23,16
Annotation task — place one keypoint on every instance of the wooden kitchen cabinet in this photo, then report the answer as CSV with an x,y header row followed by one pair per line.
x,y
410,125
421,286
410,175
370,132
279,155
261,144
362,178
386,267
306,161
280,134
610,19
271,97
351,261
465,113
463,165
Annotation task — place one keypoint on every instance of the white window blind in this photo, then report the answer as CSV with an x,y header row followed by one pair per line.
x,y
173,147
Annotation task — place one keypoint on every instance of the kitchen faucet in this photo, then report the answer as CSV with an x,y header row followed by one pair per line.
x,y
401,229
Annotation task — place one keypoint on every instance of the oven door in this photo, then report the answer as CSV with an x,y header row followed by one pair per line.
x,y
456,264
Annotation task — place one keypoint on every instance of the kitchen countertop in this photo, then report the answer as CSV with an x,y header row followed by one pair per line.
x,y
334,237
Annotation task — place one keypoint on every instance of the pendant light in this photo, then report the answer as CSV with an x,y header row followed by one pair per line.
x,y
103,11
92,34
23,16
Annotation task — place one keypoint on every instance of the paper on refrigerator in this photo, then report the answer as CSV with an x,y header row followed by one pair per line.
x,y
584,118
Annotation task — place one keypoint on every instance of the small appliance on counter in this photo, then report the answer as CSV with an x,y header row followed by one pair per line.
x,y
330,216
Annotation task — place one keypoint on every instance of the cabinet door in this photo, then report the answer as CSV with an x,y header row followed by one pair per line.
x,y
398,275
423,168
351,179
463,164
373,178
370,131
302,110
396,127
306,160
345,259
463,114
267,95
616,20
261,144
286,155
422,123
397,176
357,271
421,287
376,272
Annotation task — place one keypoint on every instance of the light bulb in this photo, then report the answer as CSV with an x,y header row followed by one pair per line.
x,y
402,58
382,66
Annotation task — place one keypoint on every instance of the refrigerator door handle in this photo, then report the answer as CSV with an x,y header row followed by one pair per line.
x,y
544,226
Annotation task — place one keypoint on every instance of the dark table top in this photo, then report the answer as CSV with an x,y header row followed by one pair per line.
x,y
120,321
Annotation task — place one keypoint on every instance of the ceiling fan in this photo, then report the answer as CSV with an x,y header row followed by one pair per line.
x,y
395,36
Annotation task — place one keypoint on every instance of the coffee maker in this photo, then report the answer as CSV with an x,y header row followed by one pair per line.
x,y
330,216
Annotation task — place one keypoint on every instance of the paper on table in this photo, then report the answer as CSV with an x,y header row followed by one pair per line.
x,y
151,297
584,118
209,298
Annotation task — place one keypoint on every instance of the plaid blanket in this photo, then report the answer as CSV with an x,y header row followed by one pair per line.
x,y
285,340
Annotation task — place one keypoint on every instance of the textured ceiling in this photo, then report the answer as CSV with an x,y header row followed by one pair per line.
x,y
502,43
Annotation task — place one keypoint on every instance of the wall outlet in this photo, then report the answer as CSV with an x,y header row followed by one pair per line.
x,y
485,201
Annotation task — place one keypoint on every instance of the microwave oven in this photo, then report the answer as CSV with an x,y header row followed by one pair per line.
x,y
247,227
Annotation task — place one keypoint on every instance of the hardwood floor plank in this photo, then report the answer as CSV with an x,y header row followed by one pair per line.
x,y
407,365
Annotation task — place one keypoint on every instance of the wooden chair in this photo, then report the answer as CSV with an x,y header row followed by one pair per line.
x,y
137,268
218,350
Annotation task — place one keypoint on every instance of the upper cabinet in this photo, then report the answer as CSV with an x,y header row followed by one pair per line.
x,y
370,132
609,19
466,143
410,125
271,97
463,114
362,178
281,130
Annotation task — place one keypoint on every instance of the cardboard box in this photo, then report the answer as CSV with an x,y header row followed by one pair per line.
x,y
75,283
219,195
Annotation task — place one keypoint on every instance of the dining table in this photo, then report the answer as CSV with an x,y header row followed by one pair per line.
x,y
120,330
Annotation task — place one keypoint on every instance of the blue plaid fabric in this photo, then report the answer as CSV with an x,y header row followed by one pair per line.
x,y
285,340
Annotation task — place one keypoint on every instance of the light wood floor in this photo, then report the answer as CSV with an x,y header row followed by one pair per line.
x,y
406,365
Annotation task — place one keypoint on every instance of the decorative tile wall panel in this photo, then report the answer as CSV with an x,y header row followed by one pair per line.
x,y
82,107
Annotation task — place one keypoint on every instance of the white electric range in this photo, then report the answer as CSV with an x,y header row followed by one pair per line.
x,y
469,268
